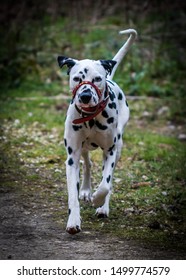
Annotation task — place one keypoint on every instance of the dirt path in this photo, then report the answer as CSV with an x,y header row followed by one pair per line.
x,y
29,234
27,226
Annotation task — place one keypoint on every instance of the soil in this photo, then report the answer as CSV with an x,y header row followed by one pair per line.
x,y
28,233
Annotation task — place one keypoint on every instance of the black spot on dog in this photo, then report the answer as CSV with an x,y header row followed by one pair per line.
x,y
78,187
104,114
83,76
86,70
112,165
111,148
65,141
120,96
91,123
77,127
119,136
111,95
80,72
70,150
70,162
115,139
110,120
111,153
94,145
69,211
108,179
126,103
101,126
112,105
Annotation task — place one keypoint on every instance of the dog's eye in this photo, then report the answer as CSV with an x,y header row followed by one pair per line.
x,y
76,79
97,79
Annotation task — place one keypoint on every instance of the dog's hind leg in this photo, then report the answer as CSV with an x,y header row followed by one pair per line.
x,y
102,194
103,211
85,190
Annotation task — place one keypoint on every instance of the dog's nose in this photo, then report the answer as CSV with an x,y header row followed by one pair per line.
x,y
85,96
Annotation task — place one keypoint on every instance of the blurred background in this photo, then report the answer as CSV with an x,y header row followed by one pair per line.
x,y
33,33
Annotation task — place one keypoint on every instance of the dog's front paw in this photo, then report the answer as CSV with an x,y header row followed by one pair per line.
x,y
85,195
73,230
98,197
74,222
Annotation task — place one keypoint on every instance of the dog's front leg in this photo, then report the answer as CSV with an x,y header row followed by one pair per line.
x,y
74,221
72,172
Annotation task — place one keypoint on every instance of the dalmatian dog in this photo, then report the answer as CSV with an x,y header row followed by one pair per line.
x,y
96,117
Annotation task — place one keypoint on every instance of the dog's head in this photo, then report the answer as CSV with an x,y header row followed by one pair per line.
x,y
87,79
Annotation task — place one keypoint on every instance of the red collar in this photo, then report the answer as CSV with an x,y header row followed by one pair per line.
x,y
88,113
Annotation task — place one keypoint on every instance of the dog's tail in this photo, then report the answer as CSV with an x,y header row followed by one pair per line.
x,y
122,52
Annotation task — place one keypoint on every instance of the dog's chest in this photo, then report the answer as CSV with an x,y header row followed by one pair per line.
x,y
99,133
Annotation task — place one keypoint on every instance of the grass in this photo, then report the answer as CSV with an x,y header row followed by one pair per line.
x,y
148,201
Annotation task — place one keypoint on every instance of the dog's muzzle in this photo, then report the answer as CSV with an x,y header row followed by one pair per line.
x,y
89,113
86,83
85,96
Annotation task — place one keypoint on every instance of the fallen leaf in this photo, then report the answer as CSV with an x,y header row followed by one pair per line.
x,y
140,184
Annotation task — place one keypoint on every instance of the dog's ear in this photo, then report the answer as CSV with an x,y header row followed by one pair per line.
x,y
108,65
62,60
